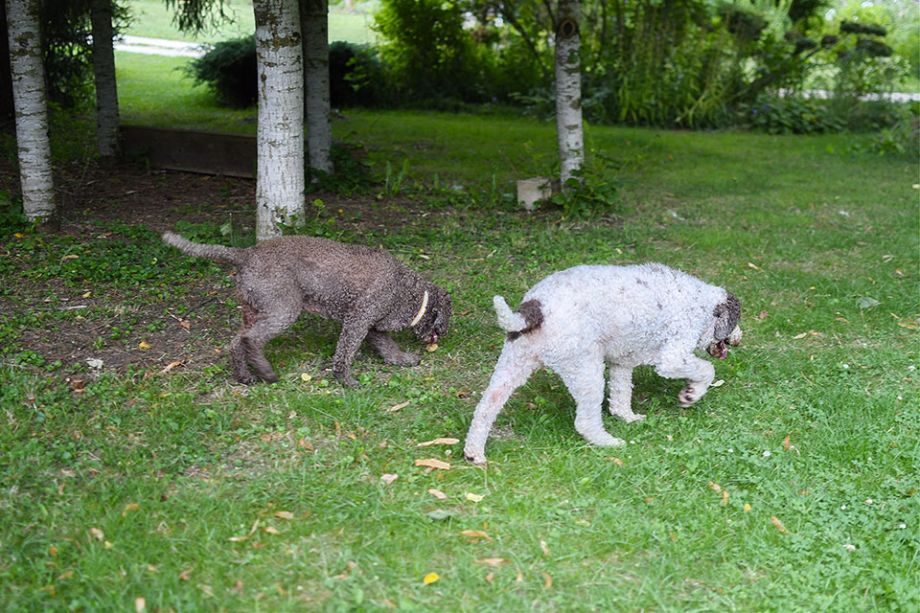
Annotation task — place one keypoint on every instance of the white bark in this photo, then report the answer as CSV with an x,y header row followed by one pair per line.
x,y
280,168
29,100
568,90
104,73
316,59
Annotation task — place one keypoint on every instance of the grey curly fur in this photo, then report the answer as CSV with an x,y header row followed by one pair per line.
x,y
366,289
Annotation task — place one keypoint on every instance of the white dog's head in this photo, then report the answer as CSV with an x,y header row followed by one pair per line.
x,y
725,329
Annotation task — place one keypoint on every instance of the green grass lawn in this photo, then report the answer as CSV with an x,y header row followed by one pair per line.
x,y
151,18
792,486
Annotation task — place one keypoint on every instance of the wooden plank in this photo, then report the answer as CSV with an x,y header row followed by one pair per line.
x,y
192,151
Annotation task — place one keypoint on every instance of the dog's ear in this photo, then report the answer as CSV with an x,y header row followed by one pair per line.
x,y
727,315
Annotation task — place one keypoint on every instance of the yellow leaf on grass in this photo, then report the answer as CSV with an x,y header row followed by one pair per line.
x,y
492,561
397,407
430,578
431,347
143,345
239,539
547,581
439,441
473,497
437,494
97,534
305,377
747,507
284,515
778,524
715,487
617,461
271,530
140,605
131,506
389,478
474,536
787,443
184,575
724,497
170,366
544,547
754,266
800,336
433,463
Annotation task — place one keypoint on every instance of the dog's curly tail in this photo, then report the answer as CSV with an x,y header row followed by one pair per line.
x,y
528,317
212,252
508,320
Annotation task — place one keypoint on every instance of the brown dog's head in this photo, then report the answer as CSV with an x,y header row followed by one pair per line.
x,y
726,330
433,324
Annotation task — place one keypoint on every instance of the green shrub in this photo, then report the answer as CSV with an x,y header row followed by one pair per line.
x,y
356,76
790,115
229,69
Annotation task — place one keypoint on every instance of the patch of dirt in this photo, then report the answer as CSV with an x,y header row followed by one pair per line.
x,y
133,194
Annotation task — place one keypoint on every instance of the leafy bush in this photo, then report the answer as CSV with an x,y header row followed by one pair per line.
x,y
790,115
356,76
229,69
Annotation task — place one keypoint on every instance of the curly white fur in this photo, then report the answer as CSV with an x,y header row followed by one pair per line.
x,y
621,316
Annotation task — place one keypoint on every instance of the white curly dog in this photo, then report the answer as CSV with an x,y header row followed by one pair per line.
x,y
576,320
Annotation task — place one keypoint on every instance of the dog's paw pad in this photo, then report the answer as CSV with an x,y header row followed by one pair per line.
x,y
688,396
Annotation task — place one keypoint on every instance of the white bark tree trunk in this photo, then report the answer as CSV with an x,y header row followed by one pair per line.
x,y
315,17
104,73
29,100
568,90
280,168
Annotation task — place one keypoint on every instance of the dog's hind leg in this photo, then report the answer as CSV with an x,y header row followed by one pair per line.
x,y
511,371
238,353
389,350
267,326
585,380
620,394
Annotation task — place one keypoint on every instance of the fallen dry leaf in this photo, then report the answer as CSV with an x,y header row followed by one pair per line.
x,y
433,463
397,407
140,605
431,347
437,494
284,515
97,534
185,574
754,266
239,539
53,551
787,443
490,577
779,525
305,444
130,507
715,487
430,578
388,478
492,561
724,497
271,530
143,345
474,536
762,315
305,377
547,581
617,461
170,366
473,497
800,336
439,441
544,547
747,507
67,574
718,383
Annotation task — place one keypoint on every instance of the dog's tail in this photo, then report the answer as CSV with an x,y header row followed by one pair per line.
x,y
528,317
212,252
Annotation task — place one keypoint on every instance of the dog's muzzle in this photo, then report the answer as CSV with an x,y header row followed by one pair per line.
x,y
719,349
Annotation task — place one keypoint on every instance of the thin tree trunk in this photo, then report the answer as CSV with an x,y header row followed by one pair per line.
x,y
315,18
6,81
104,73
280,167
568,91
30,100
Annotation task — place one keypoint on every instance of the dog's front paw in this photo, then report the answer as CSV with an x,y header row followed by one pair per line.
x,y
476,458
345,379
690,394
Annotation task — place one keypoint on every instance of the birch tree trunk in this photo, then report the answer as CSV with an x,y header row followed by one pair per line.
x,y
315,18
280,168
31,110
568,91
104,74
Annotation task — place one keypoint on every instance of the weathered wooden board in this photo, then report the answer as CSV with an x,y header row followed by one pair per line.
x,y
193,151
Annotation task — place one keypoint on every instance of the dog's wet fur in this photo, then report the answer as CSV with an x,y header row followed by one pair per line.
x,y
366,289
